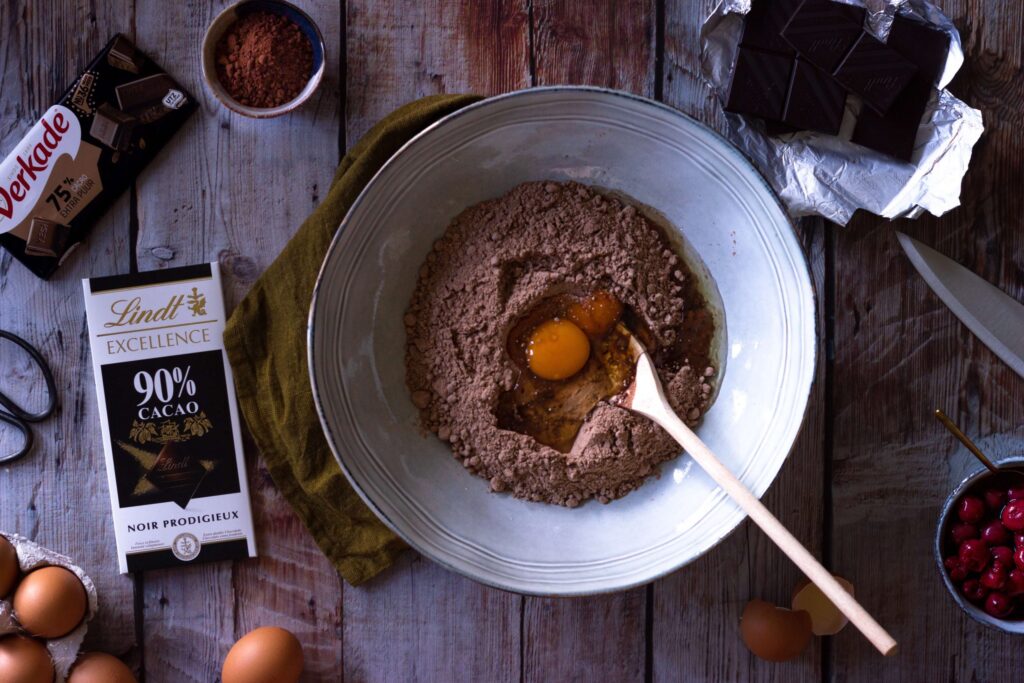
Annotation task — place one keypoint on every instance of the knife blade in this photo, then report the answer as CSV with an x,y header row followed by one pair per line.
x,y
996,318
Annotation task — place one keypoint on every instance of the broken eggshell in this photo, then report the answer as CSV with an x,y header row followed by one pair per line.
x,y
775,634
826,619
31,556
828,176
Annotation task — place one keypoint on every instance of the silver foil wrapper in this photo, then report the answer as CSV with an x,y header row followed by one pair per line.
x,y
825,175
62,650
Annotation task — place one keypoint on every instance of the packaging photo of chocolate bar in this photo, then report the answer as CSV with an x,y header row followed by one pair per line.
x,y
84,152
169,418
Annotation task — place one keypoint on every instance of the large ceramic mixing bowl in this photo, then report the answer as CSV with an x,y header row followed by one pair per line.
x,y
720,208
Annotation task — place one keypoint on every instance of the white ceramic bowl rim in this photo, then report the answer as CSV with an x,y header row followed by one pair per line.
x,y
614,582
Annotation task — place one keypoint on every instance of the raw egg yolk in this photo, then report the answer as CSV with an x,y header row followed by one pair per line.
x,y
557,349
597,313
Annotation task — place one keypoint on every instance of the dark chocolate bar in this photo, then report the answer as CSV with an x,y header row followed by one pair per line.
x,y
875,71
802,84
85,150
815,101
823,31
112,127
762,27
759,84
45,238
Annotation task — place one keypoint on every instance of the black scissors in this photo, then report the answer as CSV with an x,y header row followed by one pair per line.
x,y
15,415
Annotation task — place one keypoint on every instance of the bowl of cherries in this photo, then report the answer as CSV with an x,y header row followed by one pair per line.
x,y
979,546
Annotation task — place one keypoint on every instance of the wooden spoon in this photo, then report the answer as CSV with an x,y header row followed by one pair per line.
x,y
646,397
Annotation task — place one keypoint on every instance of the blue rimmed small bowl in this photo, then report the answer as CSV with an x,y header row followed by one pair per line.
x,y
226,19
943,546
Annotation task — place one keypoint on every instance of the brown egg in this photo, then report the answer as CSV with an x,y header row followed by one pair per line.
x,y
826,619
50,602
8,567
99,667
23,660
774,633
265,655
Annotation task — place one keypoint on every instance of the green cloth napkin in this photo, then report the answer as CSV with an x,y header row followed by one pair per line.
x,y
266,344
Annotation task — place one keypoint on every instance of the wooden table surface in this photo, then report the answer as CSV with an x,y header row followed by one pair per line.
x,y
862,487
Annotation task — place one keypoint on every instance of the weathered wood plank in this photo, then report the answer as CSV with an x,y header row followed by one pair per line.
x,y
609,44
419,622
697,610
234,190
399,51
682,84
58,494
585,639
899,353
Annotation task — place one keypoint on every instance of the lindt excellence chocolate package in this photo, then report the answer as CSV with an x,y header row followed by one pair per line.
x,y
169,418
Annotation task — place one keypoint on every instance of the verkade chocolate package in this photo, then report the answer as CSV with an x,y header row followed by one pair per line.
x,y
84,152
169,418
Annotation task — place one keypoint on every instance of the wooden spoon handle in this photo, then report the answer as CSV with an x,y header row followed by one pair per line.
x,y
786,541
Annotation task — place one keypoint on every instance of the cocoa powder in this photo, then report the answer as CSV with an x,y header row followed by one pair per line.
x,y
264,60
495,261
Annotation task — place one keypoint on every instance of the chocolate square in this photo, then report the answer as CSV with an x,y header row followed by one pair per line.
x,y
112,127
176,474
760,82
122,55
876,72
815,101
823,32
925,46
762,27
896,132
46,238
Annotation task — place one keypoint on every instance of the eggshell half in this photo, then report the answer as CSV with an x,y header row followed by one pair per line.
x,y
826,619
774,633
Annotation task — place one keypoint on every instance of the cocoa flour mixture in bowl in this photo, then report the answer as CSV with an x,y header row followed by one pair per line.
x,y
467,306
512,353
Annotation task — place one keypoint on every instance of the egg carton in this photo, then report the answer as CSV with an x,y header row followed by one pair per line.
x,y
63,650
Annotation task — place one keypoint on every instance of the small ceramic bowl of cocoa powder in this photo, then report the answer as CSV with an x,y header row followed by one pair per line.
x,y
263,58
